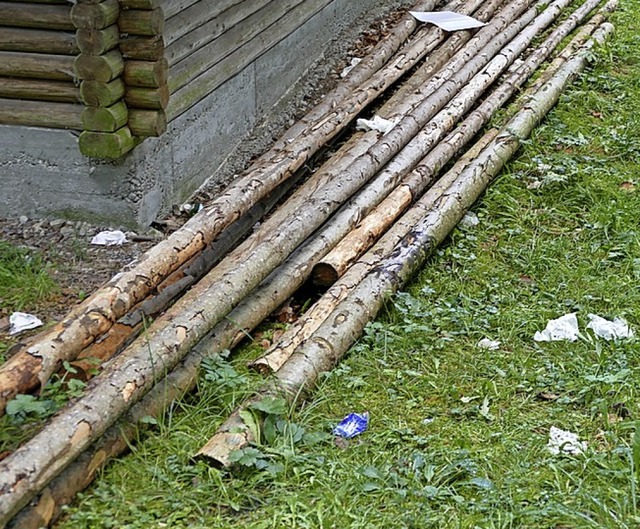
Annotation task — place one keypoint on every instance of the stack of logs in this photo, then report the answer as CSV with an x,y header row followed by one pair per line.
x,y
371,215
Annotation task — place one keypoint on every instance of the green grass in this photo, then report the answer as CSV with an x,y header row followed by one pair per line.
x,y
458,434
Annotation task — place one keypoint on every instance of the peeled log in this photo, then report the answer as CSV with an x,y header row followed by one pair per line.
x,y
343,327
327,271
35,364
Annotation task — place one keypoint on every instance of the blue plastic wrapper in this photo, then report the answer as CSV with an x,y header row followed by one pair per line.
x,y
352,425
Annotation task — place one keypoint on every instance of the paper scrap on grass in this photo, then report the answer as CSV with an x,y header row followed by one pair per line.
x,y
563,328
618,329
470,220
447,20
109,238
377,123
354,62
486,343
563,441
352,425
21,321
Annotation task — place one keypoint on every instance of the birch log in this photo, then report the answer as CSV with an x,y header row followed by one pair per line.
x,y
343,327
34,365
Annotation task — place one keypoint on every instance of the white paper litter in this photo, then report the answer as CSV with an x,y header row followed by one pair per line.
x,y
21,321
563,441
563,328
470,220
377,123
618,329
109,238
447,20
354,62
486,343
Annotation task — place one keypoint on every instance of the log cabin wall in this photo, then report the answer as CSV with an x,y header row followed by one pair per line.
x,y
155,93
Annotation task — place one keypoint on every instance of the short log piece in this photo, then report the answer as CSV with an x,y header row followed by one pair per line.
x,y
37,16
147,123
141,4
41,114
36,66
98,41
106,144
140,22
95,16
102,68
38,41
142,48
60,91
147,98
105,119
99,94
150,74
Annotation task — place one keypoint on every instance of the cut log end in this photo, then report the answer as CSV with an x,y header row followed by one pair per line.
x,y
220,447
324,275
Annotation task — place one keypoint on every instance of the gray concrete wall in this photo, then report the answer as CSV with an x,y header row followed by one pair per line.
x,y
43,173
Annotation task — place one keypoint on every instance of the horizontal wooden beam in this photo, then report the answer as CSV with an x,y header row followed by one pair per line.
x,y
236,38
150,74
36,66
147,123
98,41
147,98
58,91
38,41
95,16
142,48
39,114
37,16
140,22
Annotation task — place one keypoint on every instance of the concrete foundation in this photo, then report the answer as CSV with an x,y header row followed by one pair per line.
x,y
43,173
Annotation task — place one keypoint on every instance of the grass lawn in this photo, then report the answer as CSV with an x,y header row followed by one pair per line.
x,y
458,434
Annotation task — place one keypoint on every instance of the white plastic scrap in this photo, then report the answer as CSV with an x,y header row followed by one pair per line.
x,y
109,238
563,441
470,220
354,62
563,328
21,321
377,123
447,20
618,329
490,345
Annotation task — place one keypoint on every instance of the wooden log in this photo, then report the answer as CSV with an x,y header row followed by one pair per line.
x,y
106,144
147,123
150,74
64,2
245,41
99,94
36,66
59,91
345,324
37,16
98,41
142,48
105,119
143,23
202,22
148,98
95,16
99,311
38,41
39,114
103,68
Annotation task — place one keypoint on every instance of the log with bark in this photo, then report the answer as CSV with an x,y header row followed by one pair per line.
x,y
34,365
345,324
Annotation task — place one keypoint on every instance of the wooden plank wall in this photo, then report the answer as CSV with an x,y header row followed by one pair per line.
x,y
38,85
120,70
